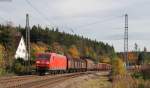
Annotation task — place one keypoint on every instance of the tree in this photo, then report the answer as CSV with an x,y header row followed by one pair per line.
x,y
87,52
37,48
54,41
118,67
145,49
105,59
141,58
73,51
2,63
135,47
56,48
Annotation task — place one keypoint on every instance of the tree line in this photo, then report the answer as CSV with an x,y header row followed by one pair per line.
x,y
51,39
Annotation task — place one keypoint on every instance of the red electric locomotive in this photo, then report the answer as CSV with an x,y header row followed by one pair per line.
x,y
50,62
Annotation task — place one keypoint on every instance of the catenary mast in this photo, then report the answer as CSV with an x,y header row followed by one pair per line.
x,y
126,41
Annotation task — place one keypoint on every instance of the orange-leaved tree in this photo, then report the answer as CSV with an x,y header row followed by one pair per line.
x,y
38,48
105,59
118,67
57,48
89,51
73,51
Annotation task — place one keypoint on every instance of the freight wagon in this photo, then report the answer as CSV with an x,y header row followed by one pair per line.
x,y
89,64
102,67
75,64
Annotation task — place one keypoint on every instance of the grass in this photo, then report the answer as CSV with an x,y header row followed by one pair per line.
x,y
128,81
101,82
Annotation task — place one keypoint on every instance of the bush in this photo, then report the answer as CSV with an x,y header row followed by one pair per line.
x,y
137,75
141,86
19,67
142,75
146,72
2,71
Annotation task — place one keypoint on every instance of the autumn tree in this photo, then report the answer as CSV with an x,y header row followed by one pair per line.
x,y
53,40
73,51
38,48
90,52
105,59
87,52
2,63
57,48
118,67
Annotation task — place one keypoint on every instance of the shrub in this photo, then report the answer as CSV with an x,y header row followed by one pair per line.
x,y
137,75
19,67
141,86
2,71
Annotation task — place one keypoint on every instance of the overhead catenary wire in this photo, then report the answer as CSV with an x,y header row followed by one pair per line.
x,y
99,22
39,12
69,28
93,23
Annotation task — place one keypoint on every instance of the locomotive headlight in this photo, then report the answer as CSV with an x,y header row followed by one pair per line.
x,y
37,62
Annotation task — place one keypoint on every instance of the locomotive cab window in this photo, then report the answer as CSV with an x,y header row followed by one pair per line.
x,y
43,56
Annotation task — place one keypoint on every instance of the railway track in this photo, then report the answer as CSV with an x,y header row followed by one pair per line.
x,y
17,78
53,82
39,81
14,81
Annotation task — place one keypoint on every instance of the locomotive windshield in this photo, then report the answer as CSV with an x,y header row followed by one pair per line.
x,y
43,56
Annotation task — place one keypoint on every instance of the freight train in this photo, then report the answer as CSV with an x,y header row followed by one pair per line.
x,y
55,63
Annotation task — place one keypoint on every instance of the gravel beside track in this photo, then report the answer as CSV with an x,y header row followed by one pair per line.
x,y
53,82
94,80
37,81
16,78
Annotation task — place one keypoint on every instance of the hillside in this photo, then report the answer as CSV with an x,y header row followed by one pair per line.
x,y
46,39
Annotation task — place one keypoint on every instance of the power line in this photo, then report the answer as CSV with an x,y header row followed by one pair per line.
x,y
41,14
93,23
71,29
89,24
38,11
98,22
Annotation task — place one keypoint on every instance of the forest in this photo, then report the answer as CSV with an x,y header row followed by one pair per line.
x,y
50,39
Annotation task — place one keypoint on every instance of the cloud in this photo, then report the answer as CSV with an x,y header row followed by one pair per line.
x,y
71,14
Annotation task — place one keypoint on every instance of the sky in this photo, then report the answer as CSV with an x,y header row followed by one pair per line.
x,y
102,20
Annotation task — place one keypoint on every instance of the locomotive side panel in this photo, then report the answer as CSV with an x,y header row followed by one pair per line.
x,y
58,62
